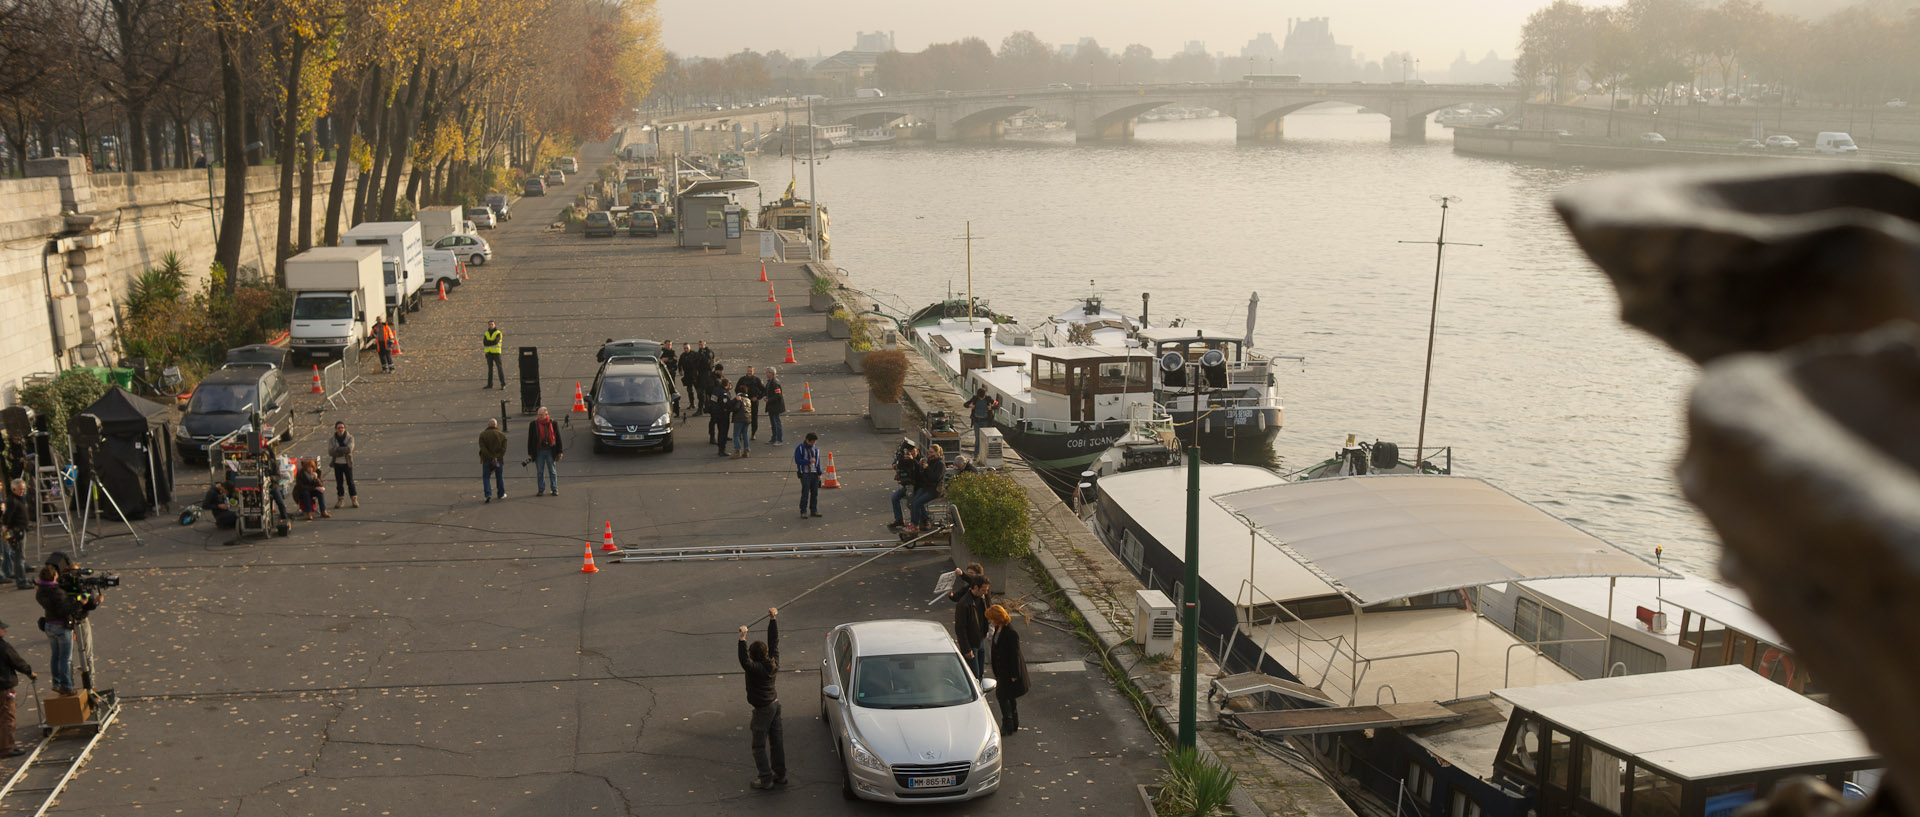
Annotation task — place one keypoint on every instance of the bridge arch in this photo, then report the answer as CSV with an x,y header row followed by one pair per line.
x,y
1114,124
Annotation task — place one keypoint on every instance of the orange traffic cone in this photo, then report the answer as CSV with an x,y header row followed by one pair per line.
x,y
770,298
806,397
579,400
396,345
460,268
833,477
777,321
316,380
789,352
443,289
607,545
588,566
763,272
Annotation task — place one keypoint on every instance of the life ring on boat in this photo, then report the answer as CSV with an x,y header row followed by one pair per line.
x,y
1776,657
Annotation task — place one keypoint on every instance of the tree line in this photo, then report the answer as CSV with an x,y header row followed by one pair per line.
x,y
428,101
1678,51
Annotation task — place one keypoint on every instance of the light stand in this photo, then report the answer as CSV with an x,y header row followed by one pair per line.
x,y
1174,363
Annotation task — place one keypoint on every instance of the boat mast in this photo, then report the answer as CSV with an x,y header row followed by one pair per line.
x,y
969,238
1433,320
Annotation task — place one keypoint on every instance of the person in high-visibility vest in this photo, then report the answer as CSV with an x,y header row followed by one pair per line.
x,y
383,342
490,341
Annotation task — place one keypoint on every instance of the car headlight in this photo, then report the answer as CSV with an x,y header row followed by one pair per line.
x,y
601,422
992,751
864,757
662,421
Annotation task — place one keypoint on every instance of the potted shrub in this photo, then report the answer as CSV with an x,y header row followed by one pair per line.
x,y
839,323
886,372
820,295
1191,786
859,343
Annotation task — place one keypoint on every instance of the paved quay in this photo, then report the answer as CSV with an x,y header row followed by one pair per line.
x,y
427,654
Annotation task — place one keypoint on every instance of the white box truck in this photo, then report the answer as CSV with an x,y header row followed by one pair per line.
x,y
337,293
404,254
439,222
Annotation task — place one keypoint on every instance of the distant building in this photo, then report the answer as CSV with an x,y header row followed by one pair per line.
x,y
1194,47
876,41
1261,49
1490,68
1311,52
845,71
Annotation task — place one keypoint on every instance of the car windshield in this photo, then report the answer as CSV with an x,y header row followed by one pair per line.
x,y
632,390
479,212
221,398
911,681
644,218
597,218
329,308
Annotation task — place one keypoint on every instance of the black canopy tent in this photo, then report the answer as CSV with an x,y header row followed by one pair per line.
x,y
134,462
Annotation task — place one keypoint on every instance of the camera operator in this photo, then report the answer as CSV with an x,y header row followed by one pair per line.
x,y
65,601
906,474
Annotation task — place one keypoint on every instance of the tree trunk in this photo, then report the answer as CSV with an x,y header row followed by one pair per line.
x,y
233,216
376,127
349,119
137,134
402,129
289,108
429,120
183,154
309,155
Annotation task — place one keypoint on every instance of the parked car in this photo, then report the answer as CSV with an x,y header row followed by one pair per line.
x,y
630,406
568,164
471,247
1834,142
630,347
1896,103
643,223
909,722
534,186
556,177
502,209
1782,141
1750,144
223,402
599,222
1651,138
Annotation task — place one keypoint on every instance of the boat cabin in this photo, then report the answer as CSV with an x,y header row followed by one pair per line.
x,y
1092,382
1689,743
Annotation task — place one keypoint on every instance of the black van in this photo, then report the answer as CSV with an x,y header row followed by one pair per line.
x,y
222,403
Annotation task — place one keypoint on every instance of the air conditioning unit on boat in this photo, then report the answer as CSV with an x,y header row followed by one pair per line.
x,y
993,449
1155,626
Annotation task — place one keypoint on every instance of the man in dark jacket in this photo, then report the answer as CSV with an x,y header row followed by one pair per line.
x,y
670,361
12,666
761,662
806,463
690,376
1009,667
545,449
970,625
18,517
219,502
906,474
493,455
751,387
776,406
741,413
719,414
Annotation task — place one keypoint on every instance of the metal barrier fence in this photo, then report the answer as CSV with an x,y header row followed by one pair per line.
x,y
338,376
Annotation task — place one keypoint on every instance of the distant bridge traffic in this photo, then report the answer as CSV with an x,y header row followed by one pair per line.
x,y
1108,112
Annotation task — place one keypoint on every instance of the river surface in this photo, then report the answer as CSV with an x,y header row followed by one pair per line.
x,y
1537,385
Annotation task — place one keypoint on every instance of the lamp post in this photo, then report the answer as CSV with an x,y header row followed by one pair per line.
x,y
1196,374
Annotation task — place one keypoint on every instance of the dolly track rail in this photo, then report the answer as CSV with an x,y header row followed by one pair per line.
x,y
861,547
57,740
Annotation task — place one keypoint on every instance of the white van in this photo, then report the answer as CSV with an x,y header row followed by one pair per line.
x,y
1834,142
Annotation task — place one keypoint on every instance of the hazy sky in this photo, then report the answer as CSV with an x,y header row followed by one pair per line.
x,y
1434,32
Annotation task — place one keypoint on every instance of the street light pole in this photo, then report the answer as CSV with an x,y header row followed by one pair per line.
x,y
813,195
1190,595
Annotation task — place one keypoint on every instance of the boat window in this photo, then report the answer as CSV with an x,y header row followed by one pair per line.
x,y
1559,759
1126,375
1638,660
1461,805
1722,799
1601,776
1524,753
1654,794
1050,375
1419,782
1131,551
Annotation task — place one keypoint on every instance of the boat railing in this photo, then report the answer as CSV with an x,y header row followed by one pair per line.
x,y
1507,671
1359,665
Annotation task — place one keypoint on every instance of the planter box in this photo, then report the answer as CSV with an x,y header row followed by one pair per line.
x,y
1146,800
856,361
820,302
838,328
885,416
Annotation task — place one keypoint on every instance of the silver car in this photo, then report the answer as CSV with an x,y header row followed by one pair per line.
x,y
908,721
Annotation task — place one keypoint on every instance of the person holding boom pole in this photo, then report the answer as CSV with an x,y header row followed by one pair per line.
x,y
761,661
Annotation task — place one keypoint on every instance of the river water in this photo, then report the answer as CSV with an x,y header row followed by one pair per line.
x,y
1537,385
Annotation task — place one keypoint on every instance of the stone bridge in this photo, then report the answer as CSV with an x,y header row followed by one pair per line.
x,y
1108,112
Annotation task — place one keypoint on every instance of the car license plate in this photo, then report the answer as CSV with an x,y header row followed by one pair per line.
x,y
931,782
631,436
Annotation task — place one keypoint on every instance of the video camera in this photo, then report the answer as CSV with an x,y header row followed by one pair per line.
x,y
85,578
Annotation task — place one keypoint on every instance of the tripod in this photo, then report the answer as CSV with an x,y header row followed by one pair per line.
x,y
95,491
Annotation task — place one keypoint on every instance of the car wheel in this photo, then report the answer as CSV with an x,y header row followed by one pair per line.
x,y
287,435
668,448
477,260
846,777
